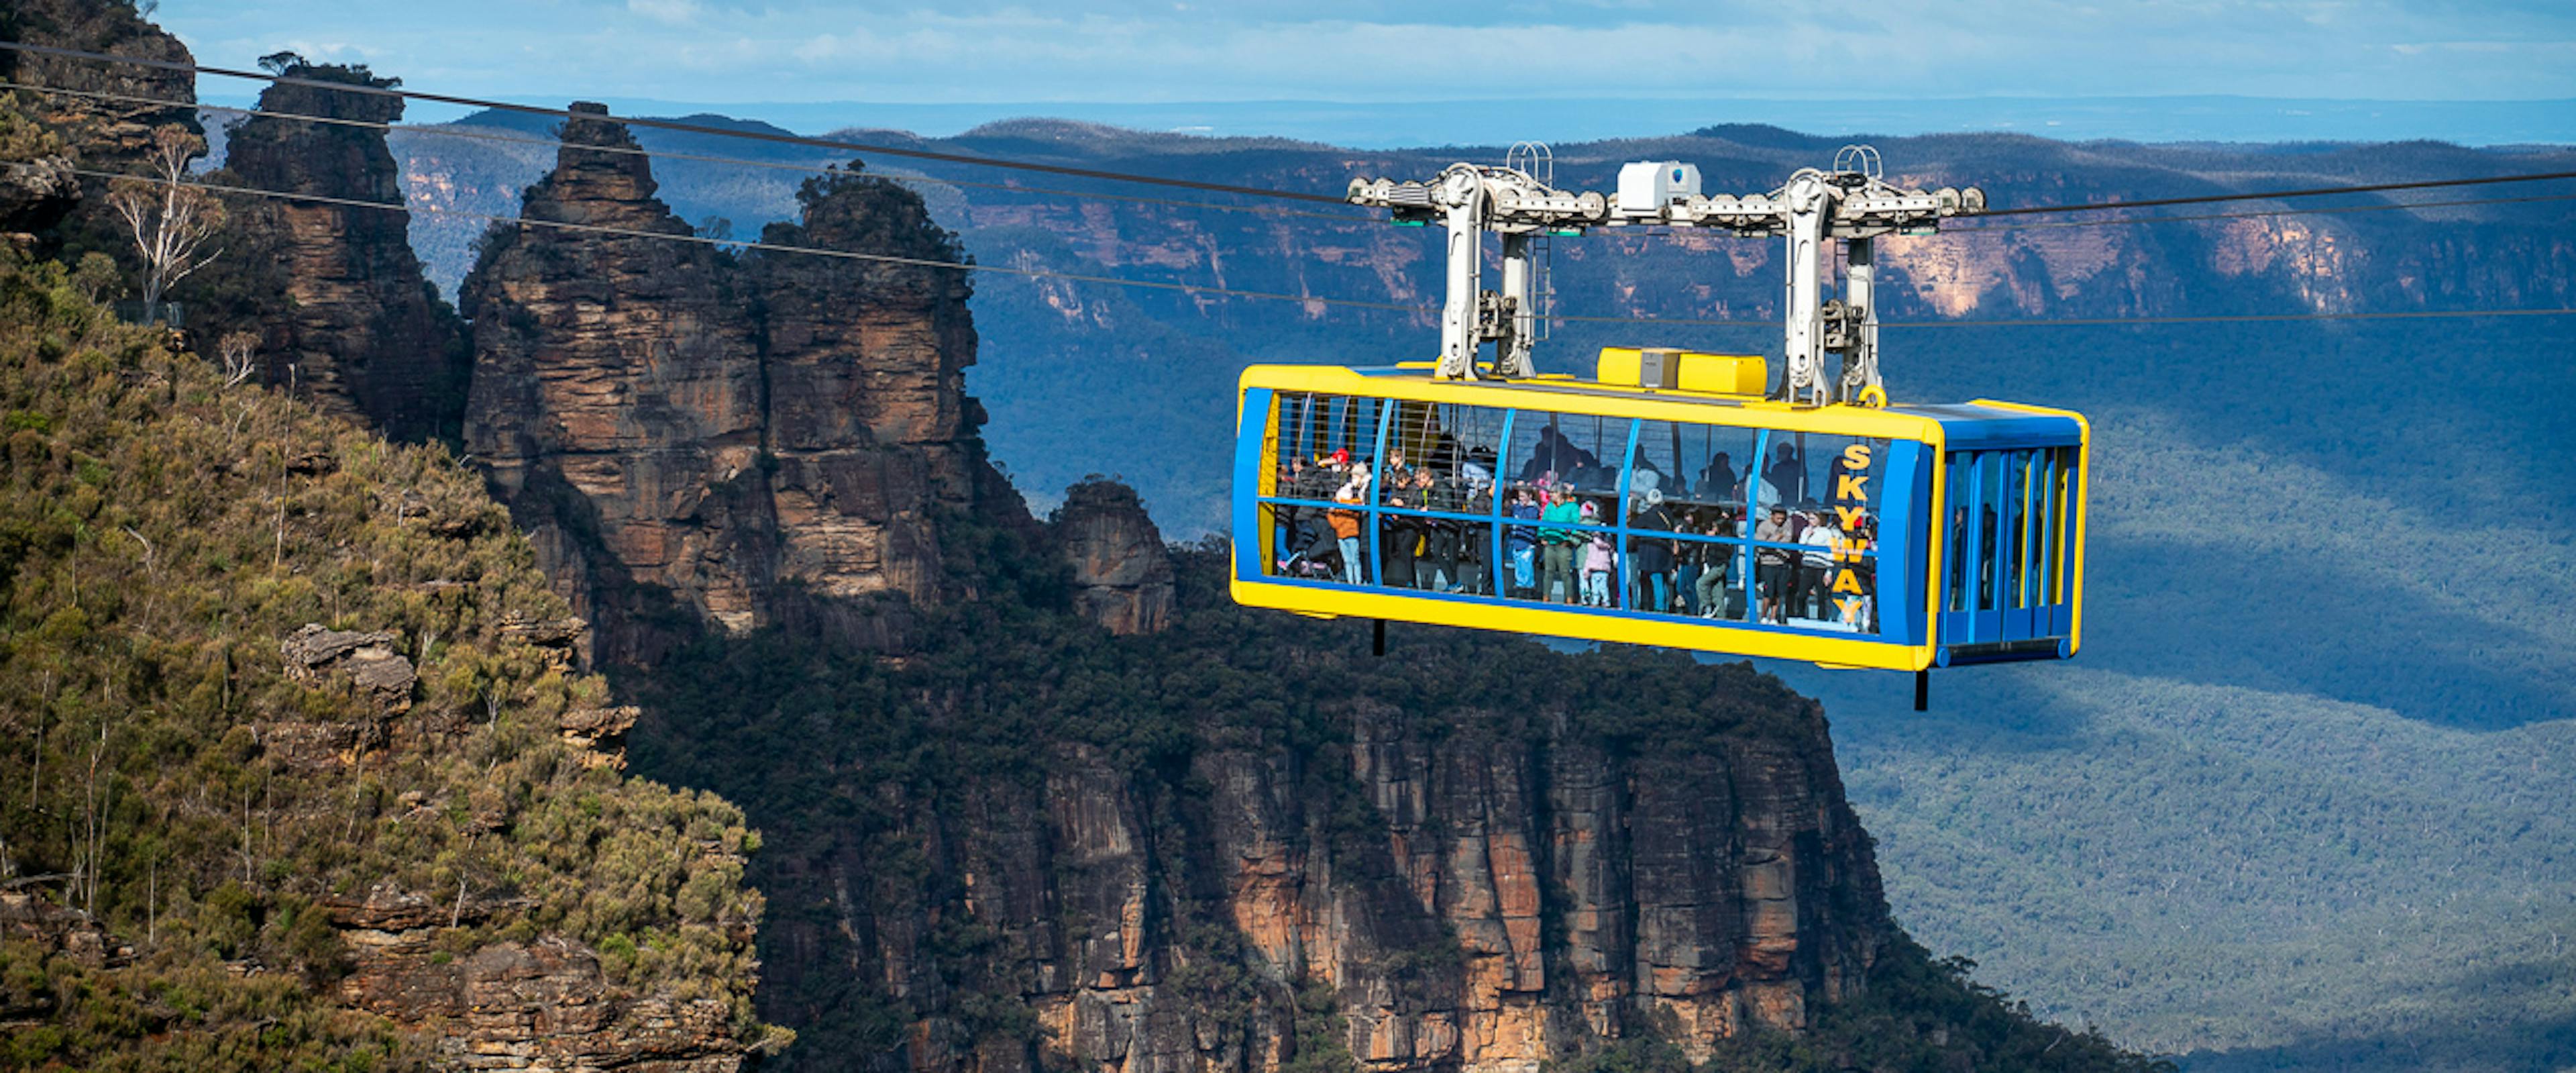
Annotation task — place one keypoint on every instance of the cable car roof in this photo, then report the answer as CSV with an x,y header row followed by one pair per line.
x,y
1980,425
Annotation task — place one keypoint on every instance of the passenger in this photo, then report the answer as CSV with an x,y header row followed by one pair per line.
x,y
1597,559
1689,559
1475,574
1718,480
1788,473
1314,528
1717,561
1815,575
1863,537
1398,534
1958,554
1284,543
1556,547
1523,541
1651,558
1775,568
1552,454
1439,535
1986,560
1346,523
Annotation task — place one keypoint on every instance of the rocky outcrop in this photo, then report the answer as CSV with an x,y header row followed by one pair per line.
x,y
869,431
535,1007
36,193
362,334
112,134
1122,576
749,440
616,401
1469,899
366,660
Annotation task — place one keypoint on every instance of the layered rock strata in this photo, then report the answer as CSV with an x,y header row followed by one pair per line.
x,y
756,442
1122,576
1510,900
616,402
514,1007
362,335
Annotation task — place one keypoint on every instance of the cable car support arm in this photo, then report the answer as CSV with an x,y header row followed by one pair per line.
x,y
1851,203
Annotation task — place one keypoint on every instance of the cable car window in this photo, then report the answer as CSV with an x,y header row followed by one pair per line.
x,y
2007,577
1582,451
1816,557
1685,482
1564,471
1325,474
1437,487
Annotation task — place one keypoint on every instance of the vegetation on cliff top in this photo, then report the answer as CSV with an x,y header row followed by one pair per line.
x,y
161,535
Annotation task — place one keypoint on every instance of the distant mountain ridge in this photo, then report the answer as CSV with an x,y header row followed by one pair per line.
x,y
1387,124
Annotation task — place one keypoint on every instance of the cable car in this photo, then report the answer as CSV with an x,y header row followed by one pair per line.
x,y
1956,533
1677,499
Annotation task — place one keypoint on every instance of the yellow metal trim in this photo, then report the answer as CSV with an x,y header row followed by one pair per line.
x,y
1541,621
1567,395
1933,598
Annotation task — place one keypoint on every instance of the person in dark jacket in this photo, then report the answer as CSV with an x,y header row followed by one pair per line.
x,y
1476,539
1399,534
1650,557
1718,481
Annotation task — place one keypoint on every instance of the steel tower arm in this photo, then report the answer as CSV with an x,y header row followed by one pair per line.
x,y
1851,203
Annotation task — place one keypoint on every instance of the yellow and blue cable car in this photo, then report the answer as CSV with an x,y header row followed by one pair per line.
x,y
1692,514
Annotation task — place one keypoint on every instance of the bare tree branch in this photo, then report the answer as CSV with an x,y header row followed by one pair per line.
x,y
169,218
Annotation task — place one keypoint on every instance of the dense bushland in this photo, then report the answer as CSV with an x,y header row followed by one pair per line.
x,y
160,535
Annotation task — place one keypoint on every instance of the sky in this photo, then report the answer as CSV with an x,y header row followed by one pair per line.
x,y
970,52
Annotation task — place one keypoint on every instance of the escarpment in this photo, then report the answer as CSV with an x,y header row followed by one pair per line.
x,y
1242,844
360,332
754,441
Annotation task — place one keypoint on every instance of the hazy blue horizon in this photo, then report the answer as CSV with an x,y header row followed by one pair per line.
x,y
1402,124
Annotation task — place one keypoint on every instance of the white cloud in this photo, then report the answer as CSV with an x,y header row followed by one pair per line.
x,y
669,12
1161,50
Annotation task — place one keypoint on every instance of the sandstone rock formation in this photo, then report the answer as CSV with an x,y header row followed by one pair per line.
x,y
1122,576
366,660
112,135
36,193
616,397
533,1007
1511,900
363,335
755,442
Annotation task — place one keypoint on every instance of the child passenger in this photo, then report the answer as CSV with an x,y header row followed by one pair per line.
x,y
1596,559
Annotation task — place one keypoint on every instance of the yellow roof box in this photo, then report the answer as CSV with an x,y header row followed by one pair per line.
x,y
1669,369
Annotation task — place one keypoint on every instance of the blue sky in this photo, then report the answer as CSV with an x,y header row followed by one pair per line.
x,y
967,51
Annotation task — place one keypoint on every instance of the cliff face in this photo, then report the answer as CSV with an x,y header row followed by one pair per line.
x,y
1471,855
740,438
362,335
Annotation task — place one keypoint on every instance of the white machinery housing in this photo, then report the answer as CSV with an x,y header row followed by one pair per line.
x,y
1851,203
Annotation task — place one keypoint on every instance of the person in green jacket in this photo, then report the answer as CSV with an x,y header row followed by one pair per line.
x,y
1557,544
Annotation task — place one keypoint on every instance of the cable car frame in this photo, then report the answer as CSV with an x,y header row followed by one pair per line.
x,y
2003,582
